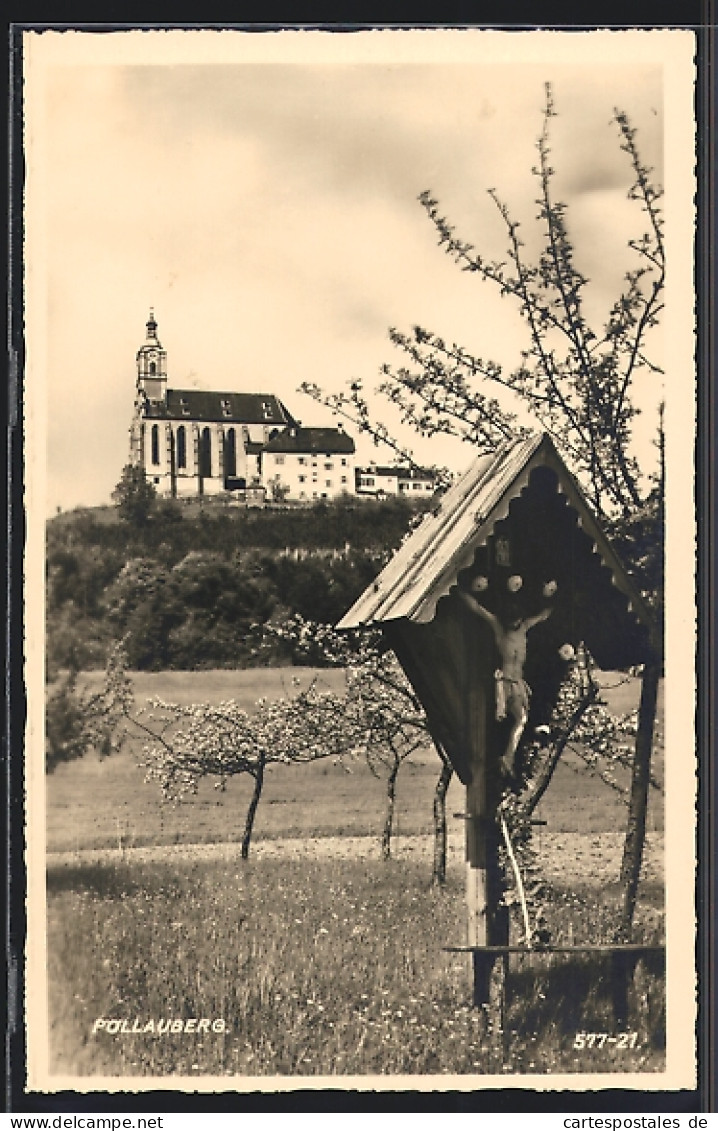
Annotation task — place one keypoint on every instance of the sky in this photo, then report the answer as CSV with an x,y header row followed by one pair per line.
x,y
259,193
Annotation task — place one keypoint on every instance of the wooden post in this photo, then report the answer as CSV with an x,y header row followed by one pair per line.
x,y
622,966
451,664
442,785
477,886
638,805
487,920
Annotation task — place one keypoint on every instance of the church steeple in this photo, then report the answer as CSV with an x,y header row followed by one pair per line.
x,y
152,364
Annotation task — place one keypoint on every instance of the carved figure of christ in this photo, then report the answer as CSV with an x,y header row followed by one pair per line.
x,y
513,692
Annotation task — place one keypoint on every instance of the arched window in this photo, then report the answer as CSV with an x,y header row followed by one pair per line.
x,y
181,446
155,444
205,454
173,462
153,368
230,453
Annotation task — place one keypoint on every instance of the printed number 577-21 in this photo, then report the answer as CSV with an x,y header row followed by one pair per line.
x,y
599,1040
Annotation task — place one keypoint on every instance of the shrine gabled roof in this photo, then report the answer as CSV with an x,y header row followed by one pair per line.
x,y
426,566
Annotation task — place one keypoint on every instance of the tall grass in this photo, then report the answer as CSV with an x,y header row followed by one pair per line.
x,y
317,967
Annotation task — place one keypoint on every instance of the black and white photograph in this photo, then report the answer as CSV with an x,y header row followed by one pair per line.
x,y
360,559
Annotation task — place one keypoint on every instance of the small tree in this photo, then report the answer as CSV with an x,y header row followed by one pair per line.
x,y
279,491
134,496
379,717
388,721
438,870
76,722
186,744
66,733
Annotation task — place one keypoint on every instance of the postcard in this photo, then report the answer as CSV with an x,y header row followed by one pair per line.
x,y
359,391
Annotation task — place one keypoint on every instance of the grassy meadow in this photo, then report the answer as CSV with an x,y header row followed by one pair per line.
x,y
316,967
328,964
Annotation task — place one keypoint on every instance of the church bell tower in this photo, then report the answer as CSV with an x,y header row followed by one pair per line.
x,y
152,365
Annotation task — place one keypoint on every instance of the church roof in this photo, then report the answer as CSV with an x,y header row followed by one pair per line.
x,y
232,408
326,441
427,565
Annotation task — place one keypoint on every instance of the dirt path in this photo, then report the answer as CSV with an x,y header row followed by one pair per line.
x,y
581,856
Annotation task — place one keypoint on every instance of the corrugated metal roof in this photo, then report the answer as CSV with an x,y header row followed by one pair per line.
x,y
427,565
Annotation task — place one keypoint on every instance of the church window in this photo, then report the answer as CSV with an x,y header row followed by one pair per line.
x,y
155,444
205,454
230,453
153,368
181,446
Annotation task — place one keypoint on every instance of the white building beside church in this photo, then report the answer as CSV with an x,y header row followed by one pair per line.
x,y
309,464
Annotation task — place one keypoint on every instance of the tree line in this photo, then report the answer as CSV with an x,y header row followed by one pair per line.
x,y
192,592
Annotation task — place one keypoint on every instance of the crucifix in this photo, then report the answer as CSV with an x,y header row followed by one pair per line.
x,y
510,633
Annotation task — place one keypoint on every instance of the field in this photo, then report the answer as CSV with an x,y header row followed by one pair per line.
x,y
316,957
105,804
314,967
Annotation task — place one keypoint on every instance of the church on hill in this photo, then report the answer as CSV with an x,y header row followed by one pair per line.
x,y
193,443
248,447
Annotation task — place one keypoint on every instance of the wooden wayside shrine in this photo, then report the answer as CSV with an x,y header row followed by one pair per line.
x,y
517,535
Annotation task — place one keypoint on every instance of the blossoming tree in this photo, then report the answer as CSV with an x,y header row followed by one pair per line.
x,y
187,743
